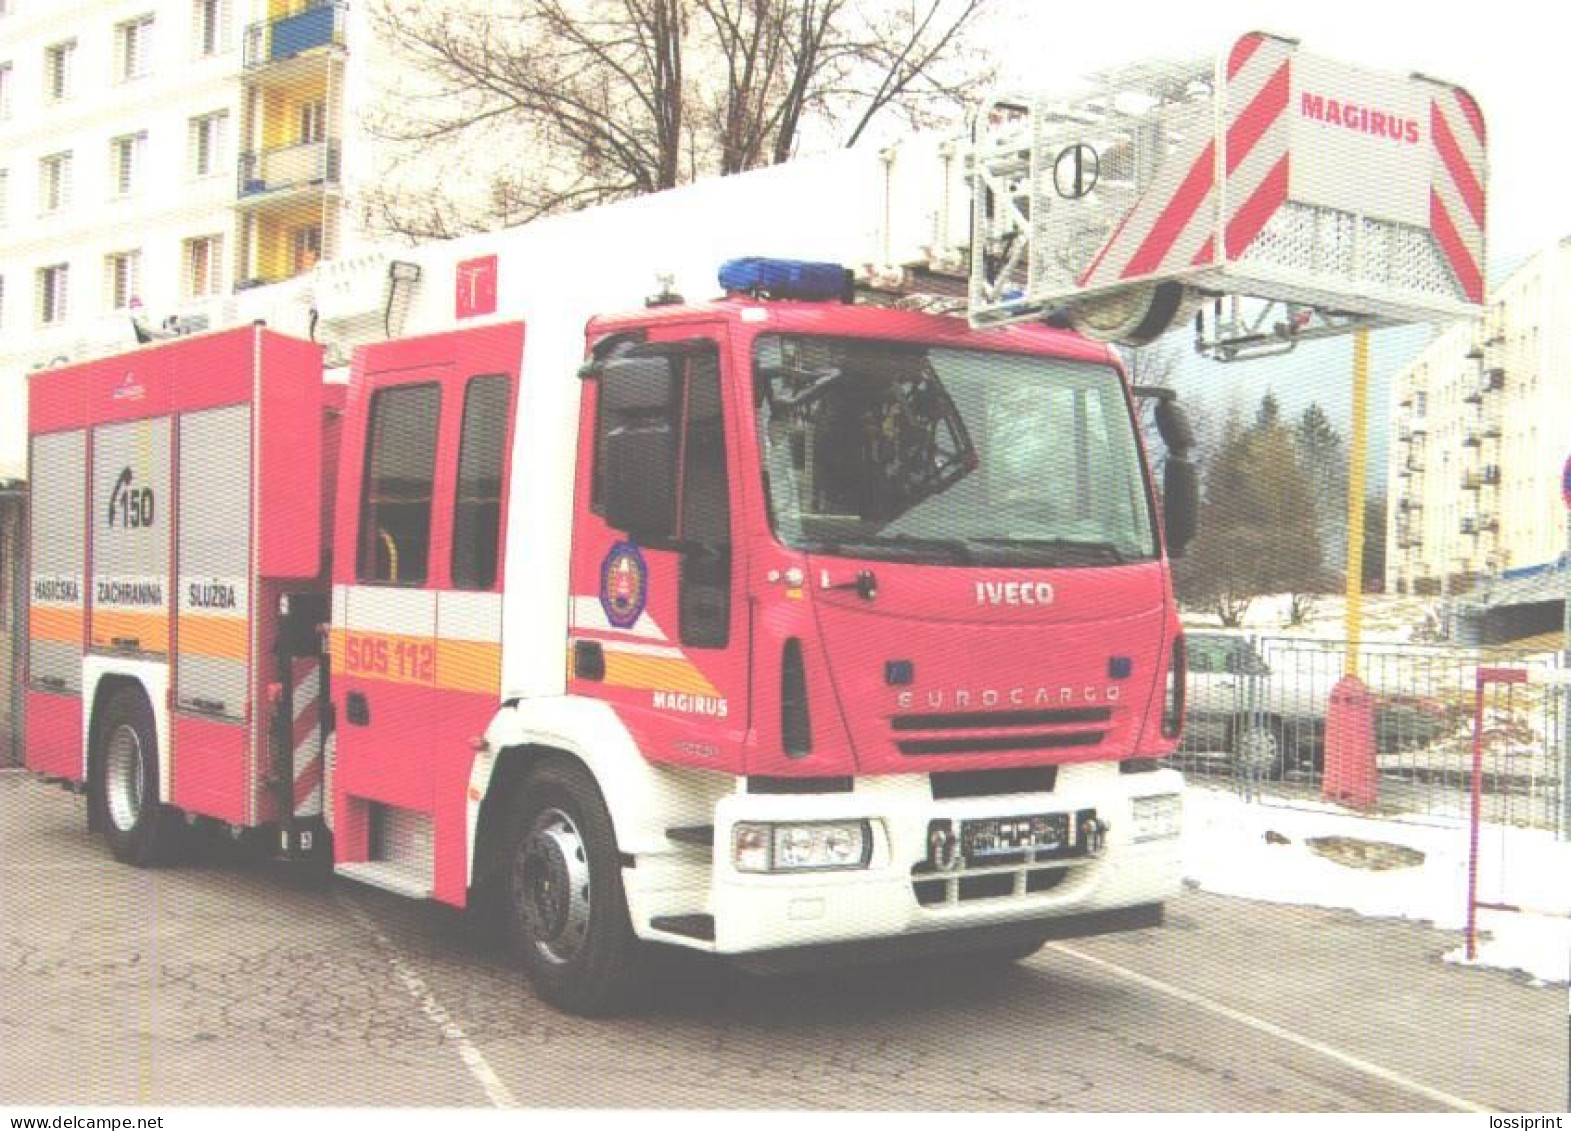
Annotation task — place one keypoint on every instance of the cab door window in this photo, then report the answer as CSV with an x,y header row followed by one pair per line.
x,y
477,506
706,512
395,506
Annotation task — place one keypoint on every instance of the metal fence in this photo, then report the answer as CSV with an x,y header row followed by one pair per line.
x,y
1257,710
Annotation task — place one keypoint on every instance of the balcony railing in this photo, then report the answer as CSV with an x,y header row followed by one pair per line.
x,y
320,24
309,164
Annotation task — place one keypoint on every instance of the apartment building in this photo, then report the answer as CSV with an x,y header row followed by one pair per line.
x,y
1479,436
159,156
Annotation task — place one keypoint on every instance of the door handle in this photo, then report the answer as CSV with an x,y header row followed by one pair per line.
x,y
357,709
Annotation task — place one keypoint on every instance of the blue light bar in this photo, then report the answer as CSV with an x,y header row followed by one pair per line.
x,y
786,278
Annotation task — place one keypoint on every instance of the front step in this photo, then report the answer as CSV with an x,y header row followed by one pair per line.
x,y
384,874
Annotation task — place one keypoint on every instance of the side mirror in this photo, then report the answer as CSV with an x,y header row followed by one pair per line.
x,y
1180,504
1172,424
639,407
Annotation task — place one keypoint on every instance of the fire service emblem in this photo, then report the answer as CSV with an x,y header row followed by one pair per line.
x,y
624,583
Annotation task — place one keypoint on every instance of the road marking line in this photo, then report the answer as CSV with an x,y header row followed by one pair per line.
x,y
1347,1060
495,1091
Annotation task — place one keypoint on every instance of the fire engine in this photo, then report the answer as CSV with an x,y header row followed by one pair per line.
x,y
792,625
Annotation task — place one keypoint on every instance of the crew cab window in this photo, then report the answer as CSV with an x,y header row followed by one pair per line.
x,y
477,507
395,503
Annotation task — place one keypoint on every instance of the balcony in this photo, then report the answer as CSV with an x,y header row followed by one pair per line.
x,y
1471,440
1471,481
1491,476
288,168
274,41
1474,395
1494,379
1469,526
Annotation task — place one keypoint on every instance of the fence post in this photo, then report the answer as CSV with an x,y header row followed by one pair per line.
x,y
1563,762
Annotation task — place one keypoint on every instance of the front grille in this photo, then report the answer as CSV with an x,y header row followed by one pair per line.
x,y
999,732
965,888
981,720
1000,743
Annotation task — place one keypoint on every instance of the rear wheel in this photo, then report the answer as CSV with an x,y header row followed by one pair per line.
x,y
565,911
137,826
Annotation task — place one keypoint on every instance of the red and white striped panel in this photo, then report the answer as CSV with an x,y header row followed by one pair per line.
x,y
306,737
1456,195
1173,225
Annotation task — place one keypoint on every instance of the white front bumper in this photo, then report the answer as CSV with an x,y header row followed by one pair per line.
x,y
759,912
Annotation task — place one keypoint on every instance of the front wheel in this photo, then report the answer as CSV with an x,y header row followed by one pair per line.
x,y
138,828
565,910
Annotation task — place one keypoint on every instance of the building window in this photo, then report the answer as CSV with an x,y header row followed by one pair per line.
x,y
53,284
208,21
5,90
59,63
122,279
54,182
305,247
133,48
313,121
207,143
202,266
125,162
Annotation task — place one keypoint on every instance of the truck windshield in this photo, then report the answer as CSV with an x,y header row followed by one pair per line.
x,y
889,450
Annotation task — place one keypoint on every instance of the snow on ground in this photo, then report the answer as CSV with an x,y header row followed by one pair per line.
x,y
1387,618
1227,852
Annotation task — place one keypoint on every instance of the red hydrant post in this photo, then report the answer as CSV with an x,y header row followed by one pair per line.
x,y
1350,772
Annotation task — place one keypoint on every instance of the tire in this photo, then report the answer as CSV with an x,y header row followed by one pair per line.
x,y
138,828
564,910
1259,748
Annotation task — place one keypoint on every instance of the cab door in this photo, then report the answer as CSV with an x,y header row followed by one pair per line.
x,y
417,597
658,625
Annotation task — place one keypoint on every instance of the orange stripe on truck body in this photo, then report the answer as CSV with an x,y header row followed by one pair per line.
x,y
62,624
215,637
128,631
449,665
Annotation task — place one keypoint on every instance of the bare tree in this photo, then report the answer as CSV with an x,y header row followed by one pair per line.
x,y
579,102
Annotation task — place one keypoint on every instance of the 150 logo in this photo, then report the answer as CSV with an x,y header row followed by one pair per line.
x,y
133,504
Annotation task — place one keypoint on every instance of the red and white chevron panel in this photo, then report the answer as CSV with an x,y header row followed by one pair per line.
x,y
1173,225
1456,195
1329,140
306,736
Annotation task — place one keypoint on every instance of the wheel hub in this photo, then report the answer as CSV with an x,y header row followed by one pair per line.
x,y
123,774
555,893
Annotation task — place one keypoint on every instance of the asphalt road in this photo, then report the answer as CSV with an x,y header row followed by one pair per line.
x,y
235,983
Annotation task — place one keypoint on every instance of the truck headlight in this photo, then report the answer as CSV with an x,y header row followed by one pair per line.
x,y
1158,817
819,846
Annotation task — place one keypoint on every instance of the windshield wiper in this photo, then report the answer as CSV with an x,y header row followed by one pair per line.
x,y
954,548
1061,547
